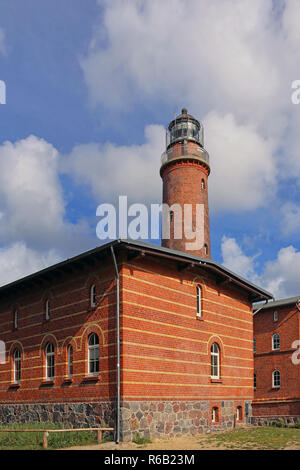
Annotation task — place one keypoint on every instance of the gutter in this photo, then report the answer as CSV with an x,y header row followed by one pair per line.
x,y
117,434
259,309
231,278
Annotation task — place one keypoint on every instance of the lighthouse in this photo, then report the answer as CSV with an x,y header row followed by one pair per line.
x,y
184,171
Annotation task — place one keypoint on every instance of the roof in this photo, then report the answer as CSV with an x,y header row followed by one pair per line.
x,y
276,303
223,274
184,116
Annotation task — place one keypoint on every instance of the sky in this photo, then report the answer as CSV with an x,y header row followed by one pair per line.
x,y
91,87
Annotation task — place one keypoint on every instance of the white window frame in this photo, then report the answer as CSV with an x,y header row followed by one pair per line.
x,y
91,351
49,361
276,342
70,360
214,414
239,413
93,296
17,366
277,372
217,355
199,300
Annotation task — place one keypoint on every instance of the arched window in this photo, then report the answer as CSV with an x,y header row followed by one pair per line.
x,y
93,296
205,249
16,319
202,184
239,413
70,360
93,354
254,380
47,309
215,415
215,361
199,300
275,341
17,365
49,361
254,345
276,379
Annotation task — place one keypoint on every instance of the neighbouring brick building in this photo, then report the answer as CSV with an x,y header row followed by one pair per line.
x,y
159,342
277,375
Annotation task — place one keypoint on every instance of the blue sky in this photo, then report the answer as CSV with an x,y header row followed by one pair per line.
x,y
90,88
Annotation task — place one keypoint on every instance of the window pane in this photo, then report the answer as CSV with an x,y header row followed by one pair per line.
x,y
70,361
93,354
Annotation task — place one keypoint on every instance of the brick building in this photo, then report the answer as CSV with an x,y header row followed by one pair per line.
x,y
277,376
185,342
145,338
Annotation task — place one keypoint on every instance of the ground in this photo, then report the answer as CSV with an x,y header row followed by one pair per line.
x,y
262,438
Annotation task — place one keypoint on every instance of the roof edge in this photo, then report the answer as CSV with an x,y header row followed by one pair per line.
x,y
155,249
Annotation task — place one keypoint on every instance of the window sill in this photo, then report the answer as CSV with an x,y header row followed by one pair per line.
x,y
276,388
47,383
14,386
216,381
67,381
199,318
90,378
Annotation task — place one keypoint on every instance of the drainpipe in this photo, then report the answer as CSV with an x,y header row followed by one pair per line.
x,y
118,346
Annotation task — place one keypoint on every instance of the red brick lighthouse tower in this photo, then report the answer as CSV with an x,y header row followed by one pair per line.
x,y
184,171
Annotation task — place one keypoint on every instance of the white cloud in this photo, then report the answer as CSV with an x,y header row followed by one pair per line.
x,y
290,22
243,169
290,218
279,276
113,170
206,53
17,261
32,206
3,47
234,258
234,57
31,200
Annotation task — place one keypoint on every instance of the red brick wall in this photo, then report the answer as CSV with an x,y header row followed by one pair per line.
x,y
72,319
266,361
166,349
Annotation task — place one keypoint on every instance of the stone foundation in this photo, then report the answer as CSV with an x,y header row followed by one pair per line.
x,y
149,419
174,419
71,415
273,420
